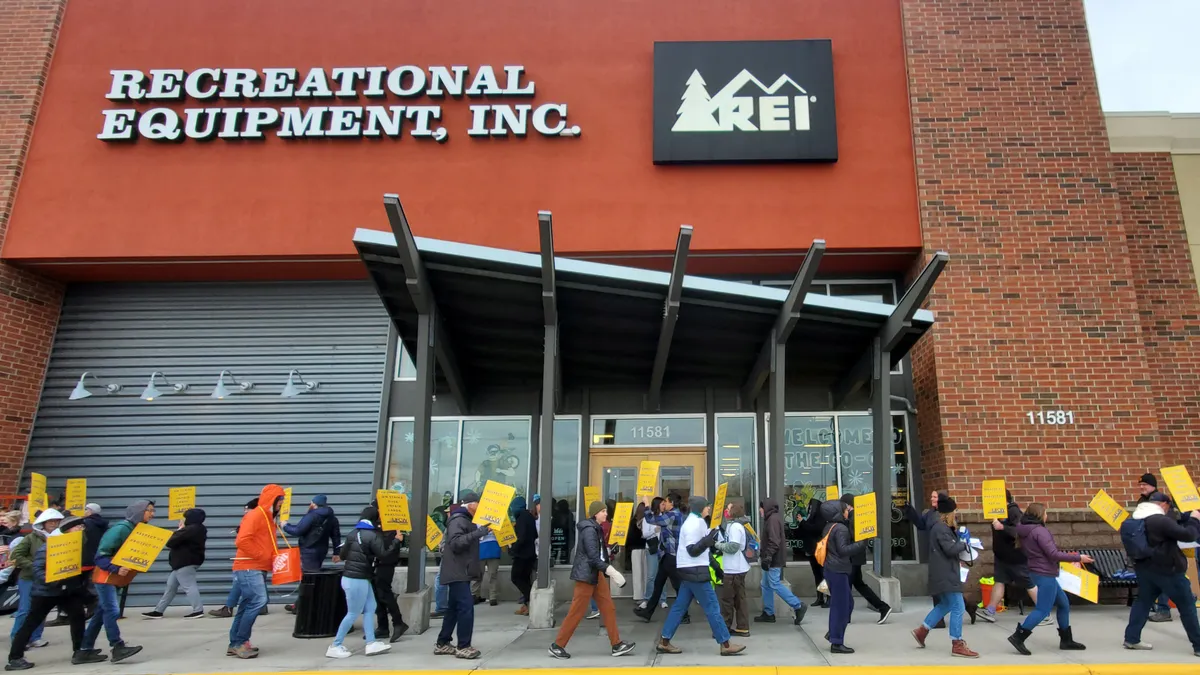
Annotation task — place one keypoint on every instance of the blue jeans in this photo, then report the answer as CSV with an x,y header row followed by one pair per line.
x,y
651,572
1049,595
1153,586
704,594
107,611
1160,604
360,600
772,583
841,606
24,587
460,613
252,586
441,595
952,604
235,592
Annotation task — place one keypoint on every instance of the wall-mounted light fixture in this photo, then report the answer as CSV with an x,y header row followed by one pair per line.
x,y
291,389
220,391
82,392
151,392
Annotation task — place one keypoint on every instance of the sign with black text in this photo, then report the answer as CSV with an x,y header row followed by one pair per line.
x,y
748,101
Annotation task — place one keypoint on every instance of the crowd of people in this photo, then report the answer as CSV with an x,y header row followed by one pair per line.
x,y
676,541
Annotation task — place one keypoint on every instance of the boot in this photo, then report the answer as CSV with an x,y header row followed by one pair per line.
x,y
1066,641
664,646
398,631
821,601
972,611
523,610
960,648
730,648
920,634
1018,638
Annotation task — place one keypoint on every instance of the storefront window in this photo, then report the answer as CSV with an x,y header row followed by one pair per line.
x,y
810,467
443,464
856,435
496,450
736,462
565,503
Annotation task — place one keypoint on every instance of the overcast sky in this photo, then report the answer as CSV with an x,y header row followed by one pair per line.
x,y
1147,54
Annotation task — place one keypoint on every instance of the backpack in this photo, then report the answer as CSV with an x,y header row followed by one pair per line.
x,y
751,550
822,546
1133,538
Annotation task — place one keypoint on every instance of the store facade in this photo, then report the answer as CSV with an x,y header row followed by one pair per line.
x,y
190,179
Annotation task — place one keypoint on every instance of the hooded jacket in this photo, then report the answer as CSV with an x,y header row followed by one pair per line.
x,y
187,543
317,532
774,544
812,528
1040,549
944,547
1162,533
94,527
1004,542
591,556
23,553
362,548
525,524
859,558
460,553
841,548
117,533
54,589
256,535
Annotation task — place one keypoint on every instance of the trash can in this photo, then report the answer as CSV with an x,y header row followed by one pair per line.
x,y
320,605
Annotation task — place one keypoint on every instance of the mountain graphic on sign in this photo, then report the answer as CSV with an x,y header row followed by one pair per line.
x,y
697,112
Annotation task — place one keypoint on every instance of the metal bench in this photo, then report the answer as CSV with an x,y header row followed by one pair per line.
x,y
1109,561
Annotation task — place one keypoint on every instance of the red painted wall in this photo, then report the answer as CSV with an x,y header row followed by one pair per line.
x,y
84,200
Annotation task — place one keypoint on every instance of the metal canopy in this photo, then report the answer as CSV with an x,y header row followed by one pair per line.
x,y
493,306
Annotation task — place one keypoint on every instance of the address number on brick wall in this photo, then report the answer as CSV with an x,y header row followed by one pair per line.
x,y
1051,417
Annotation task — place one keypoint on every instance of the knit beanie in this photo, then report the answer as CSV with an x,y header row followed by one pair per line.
x,y
946,504
1149,479
696,504
847,498
594,508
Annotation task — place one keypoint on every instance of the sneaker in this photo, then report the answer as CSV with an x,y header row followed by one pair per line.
x,y
622,648
840,649
732,648
399,631
740,632
558,652
468,653
523,610
376,647
1047,622
194,615
337,652
221,613
38,644
884,614
437,614
1161,617
687,618
645,614
124,651
665,605
988,615
1139,646
18,664
764,618
444,650
479,600
800,612
232,651
492,603
153,615
81,657
594,615
290,609
664,646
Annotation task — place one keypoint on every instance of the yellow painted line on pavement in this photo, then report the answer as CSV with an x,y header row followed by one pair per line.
x,y
968,668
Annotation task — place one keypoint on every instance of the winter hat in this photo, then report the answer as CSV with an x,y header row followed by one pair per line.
x,y
1149,479
594,508
537,499
946,504
696,504
1157,496
48,514
93,507
320,500
69,522
848,498
370,514
468,497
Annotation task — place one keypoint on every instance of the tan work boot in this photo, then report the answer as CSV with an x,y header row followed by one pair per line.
x,y
731,648
960,648
920,634
523,610
664,646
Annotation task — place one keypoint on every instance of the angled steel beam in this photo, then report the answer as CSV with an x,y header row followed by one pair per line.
x,y
785,323
417,283
670,315
549,294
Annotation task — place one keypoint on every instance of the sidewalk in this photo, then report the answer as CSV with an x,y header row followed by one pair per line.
x,y
173,645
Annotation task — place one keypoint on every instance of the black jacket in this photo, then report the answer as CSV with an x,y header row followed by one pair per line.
x,y
1004,543
1162,533
812,528
460,553
841,548
187,543
774,543
527,534
944,547
360,550
94,527
591,556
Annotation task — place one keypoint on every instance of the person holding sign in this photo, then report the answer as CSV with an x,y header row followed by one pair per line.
x,y
946,579
254,559
858,560
1011,567
1148,485
524,552
21,557
109,577
840,551
69,594
460,564
1152,538
1044,557
669,520
360,551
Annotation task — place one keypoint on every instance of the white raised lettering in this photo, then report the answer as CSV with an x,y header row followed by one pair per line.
x,y
346,78
301,123
229,129
542,114
773,113
802,122
165,84
126,85
484,83
510,120
159,124
735,112
374,87
345,121
387,120
423,116
442,82
315,85
118,125
479,117
256,119
278,83
240,83
395,81
192,85
513,87
191,124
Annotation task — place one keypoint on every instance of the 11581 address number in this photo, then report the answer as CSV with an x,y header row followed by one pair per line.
x,y
1051,417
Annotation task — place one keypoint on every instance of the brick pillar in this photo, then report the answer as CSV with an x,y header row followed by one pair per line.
x,y
29,304
1037,309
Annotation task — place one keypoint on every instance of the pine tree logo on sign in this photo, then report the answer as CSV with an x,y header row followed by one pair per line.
x,y
782,106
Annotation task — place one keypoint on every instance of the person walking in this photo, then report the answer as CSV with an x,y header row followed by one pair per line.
x,y
654,549
69,595
858,560
1148,485
695,581
387,606
187,555
945,579
840,551
1151,538
21,557
360,551
669,520
524,552
1044,557
460,564
235,594
484,588
774,558
108,610
590,571
812,529
1011,567
316,533
255,557
732,592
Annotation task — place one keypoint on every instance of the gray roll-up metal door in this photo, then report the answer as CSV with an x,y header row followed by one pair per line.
x,y
320,442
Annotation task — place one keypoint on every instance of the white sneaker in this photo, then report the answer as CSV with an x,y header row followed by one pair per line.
x,y
377,647
1140,646
337,652
665,605
594,615
1047,622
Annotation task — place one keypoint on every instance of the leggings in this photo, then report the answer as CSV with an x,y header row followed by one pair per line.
x,y
666,570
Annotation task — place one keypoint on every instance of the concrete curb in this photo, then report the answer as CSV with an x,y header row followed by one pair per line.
x,y
1018,669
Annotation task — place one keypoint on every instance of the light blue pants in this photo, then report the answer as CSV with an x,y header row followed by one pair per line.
x,y
1050,596
24,588
360,601
952,604
772,583
651,572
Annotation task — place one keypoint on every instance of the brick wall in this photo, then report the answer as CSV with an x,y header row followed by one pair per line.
x,y
1038,308
29,304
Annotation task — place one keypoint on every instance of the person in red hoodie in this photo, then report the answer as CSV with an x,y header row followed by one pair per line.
x,y
255,556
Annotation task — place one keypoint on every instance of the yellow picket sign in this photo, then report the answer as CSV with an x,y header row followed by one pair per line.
x,y
718,510
591,493
1078,581
620,523
493,504
393,510
832,494
1107,508
506,534
647,478
866,524
995,501
433,534
64,556
37,494
76,495
141,547
285,508
179,500
1183,490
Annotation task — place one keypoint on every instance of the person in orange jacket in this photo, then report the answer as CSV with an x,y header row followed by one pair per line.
x,y
255,555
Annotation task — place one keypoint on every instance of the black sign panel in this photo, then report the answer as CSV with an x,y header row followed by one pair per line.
x,y
769,101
